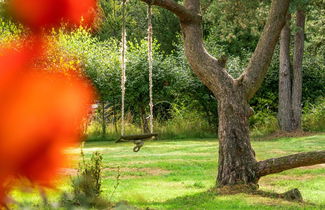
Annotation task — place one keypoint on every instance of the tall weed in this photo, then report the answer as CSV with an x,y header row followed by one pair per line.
x,y
185,123
314,116
86,187
263,123
113,131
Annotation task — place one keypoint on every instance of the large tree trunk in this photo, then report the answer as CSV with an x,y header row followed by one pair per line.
x,y
290,85
297,70
237,163
285,106
236,155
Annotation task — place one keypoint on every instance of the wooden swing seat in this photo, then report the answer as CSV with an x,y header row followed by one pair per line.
x,y
145,136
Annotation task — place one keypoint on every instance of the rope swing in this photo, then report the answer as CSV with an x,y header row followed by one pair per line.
x,y
150,60
123,67
137,139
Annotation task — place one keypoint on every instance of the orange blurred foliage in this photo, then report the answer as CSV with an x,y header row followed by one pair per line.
x,y
38,14
43,105
41,115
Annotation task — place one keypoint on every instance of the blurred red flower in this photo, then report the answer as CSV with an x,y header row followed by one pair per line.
x,y
38,14
41,115
41,111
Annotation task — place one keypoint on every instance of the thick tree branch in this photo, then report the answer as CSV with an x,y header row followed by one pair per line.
x,y
209,70
276,165
183,14
255,72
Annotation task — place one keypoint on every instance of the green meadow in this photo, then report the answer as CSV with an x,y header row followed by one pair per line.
x,y
167,174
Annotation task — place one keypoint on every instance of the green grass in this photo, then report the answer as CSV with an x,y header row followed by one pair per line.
x,y
179,174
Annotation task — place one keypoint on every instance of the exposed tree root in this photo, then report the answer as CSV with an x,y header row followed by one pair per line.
x,y
292,195
234,189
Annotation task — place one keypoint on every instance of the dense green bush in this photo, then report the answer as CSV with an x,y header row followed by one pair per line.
x,y
8,30
174,83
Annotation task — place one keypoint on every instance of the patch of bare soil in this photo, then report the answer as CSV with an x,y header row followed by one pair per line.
x,y
268,201
270,180
283,134
278,151
147,171
314,166
123,171
68,172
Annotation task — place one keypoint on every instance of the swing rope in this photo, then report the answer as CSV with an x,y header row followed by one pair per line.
x,y
123,67
138,140
150,61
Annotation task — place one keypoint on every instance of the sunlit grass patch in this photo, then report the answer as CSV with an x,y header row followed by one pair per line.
x,y
179,174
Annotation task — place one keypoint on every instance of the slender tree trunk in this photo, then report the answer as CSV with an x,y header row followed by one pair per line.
x,y
103,118
114,118
285,106
144,120
297,70
208,115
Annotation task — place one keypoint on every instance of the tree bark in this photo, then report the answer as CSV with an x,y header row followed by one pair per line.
x,y
256,70
297,70
114,118
285,106
103,118
276,165
144,120
236,155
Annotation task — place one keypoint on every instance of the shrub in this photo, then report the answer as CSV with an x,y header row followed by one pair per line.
x,y
86,187
263,123
314,116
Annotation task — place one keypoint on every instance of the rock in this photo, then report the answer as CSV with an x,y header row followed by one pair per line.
x,y
292,195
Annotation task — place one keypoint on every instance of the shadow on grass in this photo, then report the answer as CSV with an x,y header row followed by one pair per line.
x,y
203,200
293,196
210,200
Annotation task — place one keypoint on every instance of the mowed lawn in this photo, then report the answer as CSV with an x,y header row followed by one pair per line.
x,y
178,174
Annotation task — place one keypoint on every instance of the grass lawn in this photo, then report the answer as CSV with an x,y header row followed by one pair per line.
x,y
178,174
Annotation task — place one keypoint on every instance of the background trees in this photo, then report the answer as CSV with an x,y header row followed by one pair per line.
x,y
290,74
233,40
